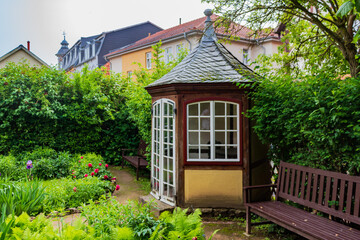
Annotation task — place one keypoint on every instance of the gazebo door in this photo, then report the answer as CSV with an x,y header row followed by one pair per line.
x,y
163,153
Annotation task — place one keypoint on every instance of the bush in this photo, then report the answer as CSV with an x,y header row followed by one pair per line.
x,y
313,121
81,166
44,107
69,193
9,169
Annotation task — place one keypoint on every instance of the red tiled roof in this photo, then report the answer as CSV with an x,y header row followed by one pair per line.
x,y
195,25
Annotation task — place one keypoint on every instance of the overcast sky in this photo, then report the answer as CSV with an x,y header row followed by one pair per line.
x,y
42,22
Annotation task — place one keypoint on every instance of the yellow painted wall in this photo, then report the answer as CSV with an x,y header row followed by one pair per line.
x,y
130,58
18,57
214,188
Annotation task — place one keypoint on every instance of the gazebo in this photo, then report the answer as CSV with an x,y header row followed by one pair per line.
x,y
203,149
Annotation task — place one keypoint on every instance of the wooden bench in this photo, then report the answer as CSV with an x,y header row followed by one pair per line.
x,y
138,160
335,195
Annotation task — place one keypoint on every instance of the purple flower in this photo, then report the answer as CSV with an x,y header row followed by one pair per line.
x,y
29,164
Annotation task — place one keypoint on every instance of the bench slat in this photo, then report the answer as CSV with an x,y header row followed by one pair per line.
x,y
342,195
297,186
334,192
288,172
303,179
349,198
327,192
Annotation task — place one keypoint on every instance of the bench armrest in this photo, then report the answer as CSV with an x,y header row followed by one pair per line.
x,y
248,188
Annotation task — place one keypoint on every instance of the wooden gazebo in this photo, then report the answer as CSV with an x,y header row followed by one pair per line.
x,y
203,149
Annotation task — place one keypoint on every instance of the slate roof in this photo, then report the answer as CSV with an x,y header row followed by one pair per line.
x,y
196,25
209,62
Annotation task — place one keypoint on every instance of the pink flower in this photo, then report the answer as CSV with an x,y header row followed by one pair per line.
x,y
74,189
106,177
74,176
81,157
79,161
90,165
106,165
117,187
100,164
86,175
96,170
92,174
114,178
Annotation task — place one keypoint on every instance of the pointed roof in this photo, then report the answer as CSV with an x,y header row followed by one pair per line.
x,y
209,62
64,48
21,47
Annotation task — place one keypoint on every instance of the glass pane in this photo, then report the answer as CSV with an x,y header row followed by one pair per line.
x,y
165,149
231,109
205,109
166,109
193,138
193,124
171,123
171,150
165,163
205,152
219,108
205,138
219,137
171,191
158,123
171,110
166,122
194,152
165,136
231,123
220,152
219,123
193,110
205,123
232,138
171,178
171,136
232,153
171,164
165,190
165,176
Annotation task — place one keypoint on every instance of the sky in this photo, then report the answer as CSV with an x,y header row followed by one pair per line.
x,y
42,22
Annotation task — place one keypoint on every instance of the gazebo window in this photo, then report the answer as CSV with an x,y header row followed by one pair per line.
x,y
213,132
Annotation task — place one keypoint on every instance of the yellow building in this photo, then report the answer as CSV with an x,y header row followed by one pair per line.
x,y
20,54
187,36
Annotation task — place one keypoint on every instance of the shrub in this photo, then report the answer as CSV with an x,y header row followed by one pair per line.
x,y
61,194
80,166
9,169
313,121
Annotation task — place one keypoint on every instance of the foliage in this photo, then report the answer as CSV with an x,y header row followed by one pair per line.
x,y
80,166
42,107
47,163
329,30
313,121
138,100
9,169
25,197
179,225
61,194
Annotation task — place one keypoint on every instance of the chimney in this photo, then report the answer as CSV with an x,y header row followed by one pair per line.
x,y
28,45
179,21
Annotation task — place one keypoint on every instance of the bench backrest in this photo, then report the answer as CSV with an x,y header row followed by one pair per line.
x,y
333,193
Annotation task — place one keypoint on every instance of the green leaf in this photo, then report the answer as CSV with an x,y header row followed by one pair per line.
x,y
345,8
357,5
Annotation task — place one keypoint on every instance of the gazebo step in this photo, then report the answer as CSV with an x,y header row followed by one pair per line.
x,y
159,206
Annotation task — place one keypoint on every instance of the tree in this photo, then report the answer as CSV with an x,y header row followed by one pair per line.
x,y
332,24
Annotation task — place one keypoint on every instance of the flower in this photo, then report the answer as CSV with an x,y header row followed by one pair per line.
x,y
106,177
117,187
74,189
194,238
114,178
96,170
92,174
100,164
74,176
90,165
86,175
81,157
106,165
29,164
79,161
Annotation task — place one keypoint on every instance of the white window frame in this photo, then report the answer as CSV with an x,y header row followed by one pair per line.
x,y
168,54
148,57
212,133
246,56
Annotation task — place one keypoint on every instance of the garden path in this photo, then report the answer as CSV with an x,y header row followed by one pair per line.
x,y
130,189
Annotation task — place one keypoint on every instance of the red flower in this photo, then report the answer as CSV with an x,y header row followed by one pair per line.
x,y
79,161
117,187
194,238
96,170
106,165
92,174
74,176
86,175
81,157
106,177
74,189
100,164
90,165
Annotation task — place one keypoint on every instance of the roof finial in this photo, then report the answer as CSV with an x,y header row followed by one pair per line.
x,y
64,34
209,33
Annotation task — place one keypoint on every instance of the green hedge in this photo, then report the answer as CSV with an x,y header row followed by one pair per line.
x,y
42,107
314,121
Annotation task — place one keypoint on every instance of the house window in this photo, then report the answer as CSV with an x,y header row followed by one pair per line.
x,y
129,73
246,58
213,132
179,48
168,55
148,60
